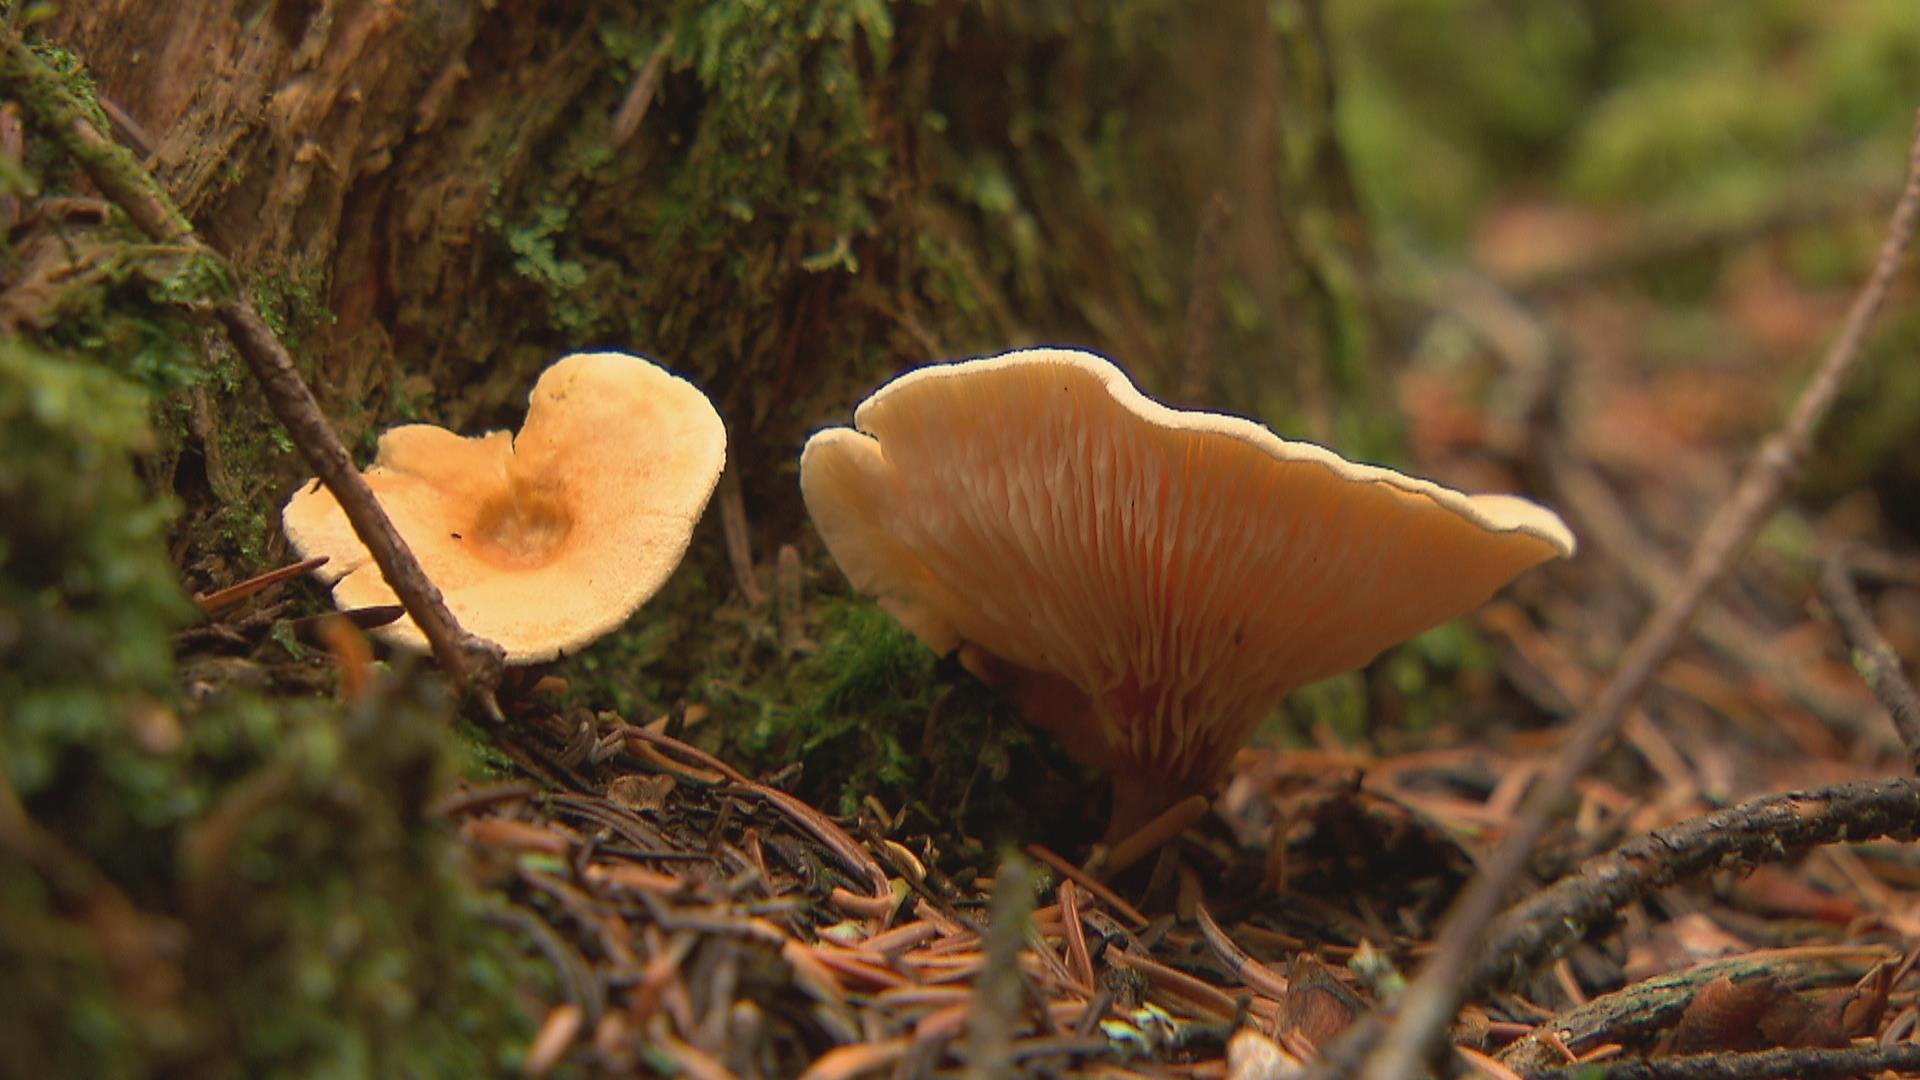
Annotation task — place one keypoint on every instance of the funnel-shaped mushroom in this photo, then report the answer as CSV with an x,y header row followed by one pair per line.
x,y
1147,582
544,541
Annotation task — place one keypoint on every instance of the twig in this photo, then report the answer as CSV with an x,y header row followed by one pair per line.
x,y
1763,1065
218,601
473,664
996,995
1430,1002
584,990
733,525
790,613
1878,666
1088,882
1243,966
1203,304
1636,1014
633,108
1151,837
851,855
1770,829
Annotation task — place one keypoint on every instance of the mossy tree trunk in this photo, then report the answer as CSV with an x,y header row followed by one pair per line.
x,y
786,200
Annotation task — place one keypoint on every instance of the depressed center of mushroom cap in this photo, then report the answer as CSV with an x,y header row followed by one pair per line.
x,y
522,527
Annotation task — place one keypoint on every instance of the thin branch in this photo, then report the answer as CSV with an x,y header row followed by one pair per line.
x,y
1431,1001
1639,1013
733,525
1585,903
1203,305
473,663
1763,1065
1873,658
994,1013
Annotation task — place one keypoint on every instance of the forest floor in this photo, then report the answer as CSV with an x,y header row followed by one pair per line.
x,y
1739,893
705,922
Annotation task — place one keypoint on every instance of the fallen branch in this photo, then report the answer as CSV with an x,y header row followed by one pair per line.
x,y
1584,904
474,664
1637,1014
1763,1065
1203,306
1434,996
1873,658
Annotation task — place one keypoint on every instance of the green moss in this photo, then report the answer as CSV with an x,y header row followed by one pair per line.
x,y
874,715
128,305
860,696
311,919
87,599
1705,119
478,755
292,300
87,602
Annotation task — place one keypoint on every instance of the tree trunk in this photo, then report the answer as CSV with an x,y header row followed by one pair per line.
x,y
785,201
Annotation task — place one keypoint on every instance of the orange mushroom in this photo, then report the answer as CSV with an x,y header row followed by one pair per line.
x,y
544,541
1146,582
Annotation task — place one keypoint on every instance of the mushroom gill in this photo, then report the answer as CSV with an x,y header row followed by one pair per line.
x,y
1146,583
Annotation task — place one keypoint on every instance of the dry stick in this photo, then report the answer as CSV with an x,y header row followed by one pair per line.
x,y
1244,967
995,1011
1636,1014
1431,1001
1203,305
733,526
1879,668
1165,828
473,663
1770,829
214,603
1764,1065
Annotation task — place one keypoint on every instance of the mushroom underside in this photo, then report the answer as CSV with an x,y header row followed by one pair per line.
x,y
1148,583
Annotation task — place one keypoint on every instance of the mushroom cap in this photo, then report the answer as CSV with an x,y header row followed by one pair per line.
x,y
544,541
1150,581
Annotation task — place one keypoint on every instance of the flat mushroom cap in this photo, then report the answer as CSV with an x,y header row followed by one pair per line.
x,y
1179,572
544,541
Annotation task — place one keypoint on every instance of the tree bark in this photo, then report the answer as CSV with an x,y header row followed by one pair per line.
x,y
785,201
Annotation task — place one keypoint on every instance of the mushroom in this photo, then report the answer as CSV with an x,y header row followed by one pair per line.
x,y
1147,583
544,541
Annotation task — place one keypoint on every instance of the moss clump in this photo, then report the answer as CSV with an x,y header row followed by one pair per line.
x,y
292,298
340,935
87,598
87,602
862,699
877,716
254,889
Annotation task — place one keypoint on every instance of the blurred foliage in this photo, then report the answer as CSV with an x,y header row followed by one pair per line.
x,y
214,884
1706,114
245,889
339,932
87,598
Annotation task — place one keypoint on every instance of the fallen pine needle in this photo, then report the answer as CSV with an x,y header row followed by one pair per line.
x,y
556,1034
